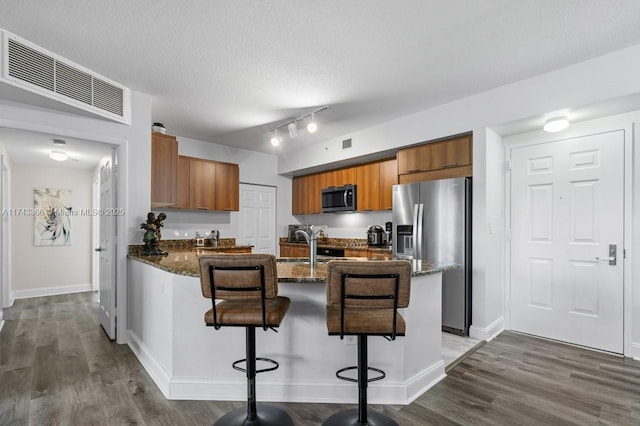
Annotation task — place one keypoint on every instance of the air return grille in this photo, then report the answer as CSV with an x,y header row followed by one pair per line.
x,y
34,69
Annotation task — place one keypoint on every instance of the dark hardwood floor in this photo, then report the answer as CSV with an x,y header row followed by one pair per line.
x,y
58,368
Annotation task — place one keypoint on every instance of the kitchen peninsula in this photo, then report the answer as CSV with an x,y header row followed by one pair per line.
x,y
189,360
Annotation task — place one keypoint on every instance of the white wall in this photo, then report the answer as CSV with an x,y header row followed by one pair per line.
x,y
43,270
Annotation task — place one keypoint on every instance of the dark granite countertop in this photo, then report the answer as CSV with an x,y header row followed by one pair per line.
x,y
292,270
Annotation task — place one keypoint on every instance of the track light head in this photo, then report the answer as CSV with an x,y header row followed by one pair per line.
x,y
276,138
312,126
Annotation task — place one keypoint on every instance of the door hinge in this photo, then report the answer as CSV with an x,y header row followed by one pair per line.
x,y
508,165
508,234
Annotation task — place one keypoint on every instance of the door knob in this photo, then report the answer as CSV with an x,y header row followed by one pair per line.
x,y
99,249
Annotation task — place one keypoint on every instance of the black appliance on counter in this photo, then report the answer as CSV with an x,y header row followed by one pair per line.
x,y
339,199
297,238
329,252
376,236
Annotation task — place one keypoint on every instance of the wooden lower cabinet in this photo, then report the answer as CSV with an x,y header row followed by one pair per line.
x,y
294,250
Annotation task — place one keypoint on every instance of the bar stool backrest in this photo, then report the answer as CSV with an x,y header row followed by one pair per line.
x,y
238,276
366,283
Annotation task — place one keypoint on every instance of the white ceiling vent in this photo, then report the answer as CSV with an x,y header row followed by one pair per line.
x,y
32,68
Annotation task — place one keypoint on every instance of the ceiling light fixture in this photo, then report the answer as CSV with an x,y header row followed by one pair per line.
x,y
276,138
556,124
292,126
312,126
58,155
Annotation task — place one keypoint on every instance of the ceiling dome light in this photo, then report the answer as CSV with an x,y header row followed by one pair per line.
x,y
58,155
312,126
556,124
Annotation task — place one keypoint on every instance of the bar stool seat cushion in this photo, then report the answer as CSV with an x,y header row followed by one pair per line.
x,y
243,312
364,321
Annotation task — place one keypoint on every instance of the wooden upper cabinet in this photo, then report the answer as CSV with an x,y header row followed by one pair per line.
x,y
297,195
202,175
388,178
227,184
164,170
436,160
343,177
415,159
368,187
183,183
451,153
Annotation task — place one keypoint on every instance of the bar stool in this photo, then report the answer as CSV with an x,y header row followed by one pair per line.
x,y
363,300
247,284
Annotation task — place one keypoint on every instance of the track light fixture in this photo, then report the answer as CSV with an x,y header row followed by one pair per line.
x,y
292,126
276,138
312,126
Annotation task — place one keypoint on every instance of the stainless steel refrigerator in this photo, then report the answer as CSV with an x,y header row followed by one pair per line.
x,y
432,221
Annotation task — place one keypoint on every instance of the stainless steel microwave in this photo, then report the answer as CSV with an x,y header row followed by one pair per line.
x,y
339,199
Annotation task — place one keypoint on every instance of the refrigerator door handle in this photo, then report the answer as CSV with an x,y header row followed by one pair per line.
x,y
414,236
418,241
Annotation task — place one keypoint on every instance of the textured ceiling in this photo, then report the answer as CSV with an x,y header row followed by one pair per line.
x,y
228,71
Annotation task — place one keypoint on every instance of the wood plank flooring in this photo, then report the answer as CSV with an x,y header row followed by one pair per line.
x,y
58,368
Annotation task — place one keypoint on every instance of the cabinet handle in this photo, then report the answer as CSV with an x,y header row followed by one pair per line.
x,y
450,165
227,209
202,208
414,171
367,210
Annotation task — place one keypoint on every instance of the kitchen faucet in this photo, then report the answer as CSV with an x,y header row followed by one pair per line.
x,y
311,237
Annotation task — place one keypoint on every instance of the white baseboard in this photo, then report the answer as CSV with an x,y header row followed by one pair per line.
x,y
635,351
489,332
49,291
157,372
329,391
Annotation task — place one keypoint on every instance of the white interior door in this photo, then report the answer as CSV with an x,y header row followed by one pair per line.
x,y
567,208
107,248
5,226
257,223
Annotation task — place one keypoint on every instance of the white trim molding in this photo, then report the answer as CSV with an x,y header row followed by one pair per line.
x,y
50,291
489,332
635,351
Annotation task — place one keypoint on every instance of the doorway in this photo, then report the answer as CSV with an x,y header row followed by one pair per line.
x,y
567,214
257,221
68,266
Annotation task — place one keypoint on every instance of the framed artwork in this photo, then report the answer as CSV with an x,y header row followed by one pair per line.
x,y
52,225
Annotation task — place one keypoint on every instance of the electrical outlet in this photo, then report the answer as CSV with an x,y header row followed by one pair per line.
x,y
349,340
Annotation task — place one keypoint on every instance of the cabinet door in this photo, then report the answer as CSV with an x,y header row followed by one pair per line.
x,y
297,195
202,175
451,153
183,183
355,252
368,187
343,177
227,187
415,159
314,193
164,170
388,178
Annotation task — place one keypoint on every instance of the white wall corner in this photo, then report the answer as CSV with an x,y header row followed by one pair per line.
x,y
489,332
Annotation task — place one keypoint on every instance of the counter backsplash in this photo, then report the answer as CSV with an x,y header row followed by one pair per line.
x,y
183,244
